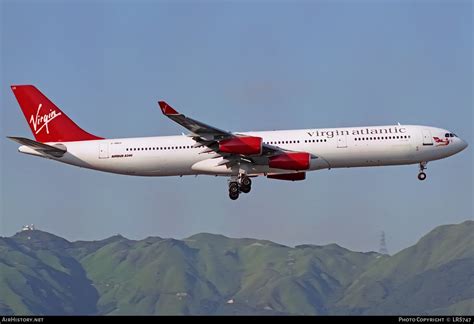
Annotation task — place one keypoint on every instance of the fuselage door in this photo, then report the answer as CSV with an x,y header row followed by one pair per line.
x,y
103,150
427,139
341,141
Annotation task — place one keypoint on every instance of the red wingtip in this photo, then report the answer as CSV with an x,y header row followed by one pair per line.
x,y
166,109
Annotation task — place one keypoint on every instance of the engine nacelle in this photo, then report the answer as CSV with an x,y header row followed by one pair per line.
x,y
288,176
290,161
245,145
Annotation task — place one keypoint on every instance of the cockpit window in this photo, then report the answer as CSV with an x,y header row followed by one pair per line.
x,y
450,135
446,135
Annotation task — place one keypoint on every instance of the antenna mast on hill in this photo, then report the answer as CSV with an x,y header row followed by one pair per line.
x,y
383,244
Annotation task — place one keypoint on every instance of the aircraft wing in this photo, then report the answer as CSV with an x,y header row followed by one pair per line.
x,y
56,151
197,128
210,136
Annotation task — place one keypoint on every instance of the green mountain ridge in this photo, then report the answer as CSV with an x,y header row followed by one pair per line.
x,y
41,273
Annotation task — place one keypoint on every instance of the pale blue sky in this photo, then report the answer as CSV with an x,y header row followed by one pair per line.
x,y
250,65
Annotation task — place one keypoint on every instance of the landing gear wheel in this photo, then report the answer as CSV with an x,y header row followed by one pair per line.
x,y
245,189
234,190
234,187
233,195
246,182
421,176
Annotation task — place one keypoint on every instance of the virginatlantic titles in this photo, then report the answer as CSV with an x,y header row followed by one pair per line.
x,y
357,131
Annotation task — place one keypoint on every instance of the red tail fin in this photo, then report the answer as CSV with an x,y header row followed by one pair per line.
x,y
47,122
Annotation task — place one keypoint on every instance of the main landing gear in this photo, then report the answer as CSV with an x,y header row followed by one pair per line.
x,y
240,184
421,174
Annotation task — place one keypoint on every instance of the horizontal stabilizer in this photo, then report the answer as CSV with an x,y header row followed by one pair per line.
x,y
57,151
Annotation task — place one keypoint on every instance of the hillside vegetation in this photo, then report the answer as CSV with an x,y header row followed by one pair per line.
x,y
41,273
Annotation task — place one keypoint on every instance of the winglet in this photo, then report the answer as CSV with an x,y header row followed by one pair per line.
x,y
166,109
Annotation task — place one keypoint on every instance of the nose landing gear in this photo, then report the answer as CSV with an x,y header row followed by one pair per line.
x,y
421,174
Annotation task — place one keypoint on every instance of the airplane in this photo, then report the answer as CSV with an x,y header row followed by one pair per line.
x,y
240,156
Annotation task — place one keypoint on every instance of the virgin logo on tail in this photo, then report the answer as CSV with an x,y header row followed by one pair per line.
x,y
441,142
41,121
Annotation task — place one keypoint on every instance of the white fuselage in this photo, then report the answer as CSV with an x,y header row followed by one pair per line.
x,y
332,148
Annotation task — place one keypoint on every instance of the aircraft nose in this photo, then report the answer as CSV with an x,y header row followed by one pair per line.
x,y
463,144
